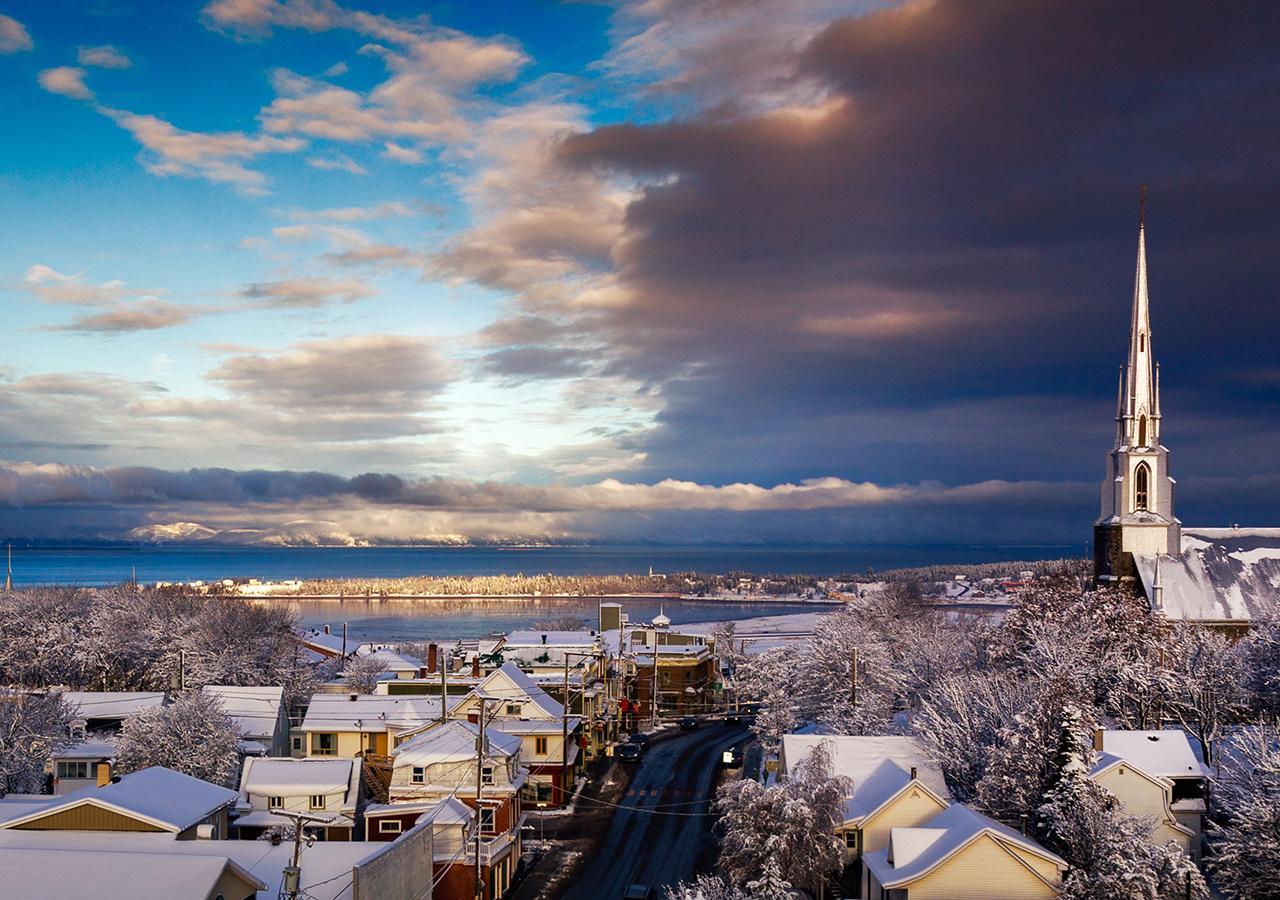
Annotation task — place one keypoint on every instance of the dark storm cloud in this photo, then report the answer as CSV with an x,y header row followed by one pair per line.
x,y
951,229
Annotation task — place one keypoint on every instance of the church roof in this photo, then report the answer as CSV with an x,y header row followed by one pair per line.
x,y
1222,575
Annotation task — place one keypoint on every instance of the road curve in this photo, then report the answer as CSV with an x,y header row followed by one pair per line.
x,y
662,825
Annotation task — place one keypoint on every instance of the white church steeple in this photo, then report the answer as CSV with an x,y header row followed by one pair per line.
x,y
1137,495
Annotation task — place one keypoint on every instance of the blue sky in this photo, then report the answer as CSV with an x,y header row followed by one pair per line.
x,y
689,270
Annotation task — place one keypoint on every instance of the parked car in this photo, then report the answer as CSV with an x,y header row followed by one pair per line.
x,y
629,752
641,739
688,723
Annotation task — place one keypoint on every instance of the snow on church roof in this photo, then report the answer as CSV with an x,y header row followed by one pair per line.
x,y
1222,575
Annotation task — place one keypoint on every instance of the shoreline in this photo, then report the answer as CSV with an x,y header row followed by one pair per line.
x,y
378,599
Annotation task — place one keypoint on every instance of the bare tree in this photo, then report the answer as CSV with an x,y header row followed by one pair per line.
x,y
362,673
32,726
192,735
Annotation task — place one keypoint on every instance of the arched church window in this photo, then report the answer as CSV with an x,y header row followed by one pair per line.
x,y
1142,343
1142,431
1141,487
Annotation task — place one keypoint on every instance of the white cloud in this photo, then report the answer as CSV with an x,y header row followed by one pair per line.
x,y
390,209
67,81
104,57
406,155
337,162
52,286
306,293
13,36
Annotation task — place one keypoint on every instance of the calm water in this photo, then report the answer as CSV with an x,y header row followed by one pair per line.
x,y
107,566
450,620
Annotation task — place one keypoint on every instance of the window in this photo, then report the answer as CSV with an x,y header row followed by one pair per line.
x,y
324,745
1142,343
275,803
73,770
1141,486
487,825
419,775
513,709
389,826
851,839
540,746
317,801
1142,431
297,744
486,775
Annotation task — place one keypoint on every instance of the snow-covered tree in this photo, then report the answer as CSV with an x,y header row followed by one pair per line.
x,y
706,887
1259,654
192,735
32,726
784,833
566,622
1206,691
362,673
1244,852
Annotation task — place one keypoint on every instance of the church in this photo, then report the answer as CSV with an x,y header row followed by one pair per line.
x,y
1224,577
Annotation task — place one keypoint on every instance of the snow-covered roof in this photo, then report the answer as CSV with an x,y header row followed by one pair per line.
x,y
265,818
1167,754
880,767
1222,575
536,638
53,874
284,777
95,747
454,741
159,796
393,661
917,851
370,713
255,709
326,866
510,682
112,704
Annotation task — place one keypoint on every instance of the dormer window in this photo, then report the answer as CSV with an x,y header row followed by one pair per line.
x,y
275,803
513,709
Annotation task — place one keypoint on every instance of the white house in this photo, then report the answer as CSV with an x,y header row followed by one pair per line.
x,y
259,712
325,789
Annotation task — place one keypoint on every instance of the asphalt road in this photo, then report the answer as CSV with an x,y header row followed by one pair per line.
x,y
662,826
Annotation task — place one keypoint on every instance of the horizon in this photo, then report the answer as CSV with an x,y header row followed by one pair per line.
x,y
830,274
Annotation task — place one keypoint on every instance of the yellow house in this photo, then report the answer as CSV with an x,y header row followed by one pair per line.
x,y
1155,775
962,855
895,785
350,725
1144,796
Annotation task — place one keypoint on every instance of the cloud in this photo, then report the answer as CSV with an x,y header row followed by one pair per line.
x,y
104,57
388,210
67,81
52,286
306,293
336,162
218,157
406,155
147,315
13,36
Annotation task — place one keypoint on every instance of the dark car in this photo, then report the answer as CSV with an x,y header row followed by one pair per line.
x,y
629,752
638,892
733,718
641,739
688,723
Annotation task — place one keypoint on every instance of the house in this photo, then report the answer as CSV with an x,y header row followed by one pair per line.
x,y
327,790
53,873
895,785
685,668
258,711
351,725
524,710
105,711
442,764
89,763
1155,775
151,800
960,854
401,665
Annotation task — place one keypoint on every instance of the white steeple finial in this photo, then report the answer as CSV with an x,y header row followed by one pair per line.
x,y
1139,402
1157,588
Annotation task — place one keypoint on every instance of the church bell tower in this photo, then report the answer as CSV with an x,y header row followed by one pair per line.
x,y
1137,494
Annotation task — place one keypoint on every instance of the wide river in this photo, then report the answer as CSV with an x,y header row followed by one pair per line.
x,y
451,620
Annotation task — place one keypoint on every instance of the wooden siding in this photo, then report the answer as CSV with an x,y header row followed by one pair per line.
x,y
232,886
911,810
1142,798
984,870
87,818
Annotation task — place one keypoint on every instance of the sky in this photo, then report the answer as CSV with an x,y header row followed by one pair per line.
x,y
686,271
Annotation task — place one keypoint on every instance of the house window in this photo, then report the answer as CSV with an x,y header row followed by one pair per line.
x,y
324,745
851,839
317,801
389,826
1141,487
487,825
486,775
275,803
513,709
297,744
73,770
540,746
419,775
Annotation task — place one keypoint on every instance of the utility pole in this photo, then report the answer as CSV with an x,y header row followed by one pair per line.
x,y
564,727
444,686
344,641
291,889
653,699
853,677
480,754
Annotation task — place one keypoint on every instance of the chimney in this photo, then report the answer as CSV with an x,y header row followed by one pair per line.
x,y
913,773
433,659
354,697
204,831
1097,738
544,639
104,774
475,666
326,629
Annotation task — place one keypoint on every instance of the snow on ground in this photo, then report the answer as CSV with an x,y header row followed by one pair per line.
x,y
764,625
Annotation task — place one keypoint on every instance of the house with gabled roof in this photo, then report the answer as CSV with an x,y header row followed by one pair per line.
x,y
351,725
1155,775
326,790
518,706
961,854
895,784
155,799
259,712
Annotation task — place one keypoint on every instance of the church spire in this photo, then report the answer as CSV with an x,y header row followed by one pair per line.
x,y
1140,409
